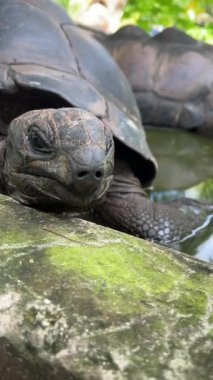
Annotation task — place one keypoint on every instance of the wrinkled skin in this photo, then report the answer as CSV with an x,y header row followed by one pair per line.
x,y
62,157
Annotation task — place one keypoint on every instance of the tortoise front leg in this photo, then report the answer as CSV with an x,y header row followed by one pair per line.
x,y
127,209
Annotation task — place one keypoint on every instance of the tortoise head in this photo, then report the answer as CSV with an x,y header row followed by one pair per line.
x,y
61,157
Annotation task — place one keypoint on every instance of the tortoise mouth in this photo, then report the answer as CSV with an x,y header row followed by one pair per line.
x,y
44,192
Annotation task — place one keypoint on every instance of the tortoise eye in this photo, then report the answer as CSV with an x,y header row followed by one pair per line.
x,y
38,140
108,145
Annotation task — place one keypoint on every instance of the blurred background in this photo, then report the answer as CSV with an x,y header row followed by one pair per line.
x,y
193,16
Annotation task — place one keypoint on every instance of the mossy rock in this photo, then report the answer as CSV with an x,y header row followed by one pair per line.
x,y
79,301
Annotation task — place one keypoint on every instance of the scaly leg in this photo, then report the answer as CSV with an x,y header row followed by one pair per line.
x,y
127,209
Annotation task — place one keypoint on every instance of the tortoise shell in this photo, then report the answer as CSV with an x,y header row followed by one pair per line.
x,y
41,49
171,75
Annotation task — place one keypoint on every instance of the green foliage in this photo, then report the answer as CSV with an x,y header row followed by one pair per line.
x,y
193,16
63,3
73,7
205,190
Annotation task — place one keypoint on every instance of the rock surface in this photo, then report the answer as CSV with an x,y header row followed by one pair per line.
x,y
79,301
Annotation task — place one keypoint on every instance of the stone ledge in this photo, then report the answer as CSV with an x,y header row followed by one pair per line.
x,y
79,301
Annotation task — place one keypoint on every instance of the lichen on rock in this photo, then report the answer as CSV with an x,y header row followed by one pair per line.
x,y
80,301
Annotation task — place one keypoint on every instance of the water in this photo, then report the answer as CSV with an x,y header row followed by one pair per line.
x,y
185,170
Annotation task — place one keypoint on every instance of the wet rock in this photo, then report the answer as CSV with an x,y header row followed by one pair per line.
x,y
79,301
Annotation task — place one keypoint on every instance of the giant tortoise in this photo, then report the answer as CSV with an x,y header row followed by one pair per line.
x,y
171,75
62,96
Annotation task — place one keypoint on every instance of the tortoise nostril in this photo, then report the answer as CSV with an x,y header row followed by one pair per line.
x,y
98,174
82,174
90,175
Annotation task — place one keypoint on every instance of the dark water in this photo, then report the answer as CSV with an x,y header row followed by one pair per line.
x,y
185,170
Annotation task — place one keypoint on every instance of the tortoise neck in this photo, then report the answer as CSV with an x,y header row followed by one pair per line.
x,y
2,159
124,181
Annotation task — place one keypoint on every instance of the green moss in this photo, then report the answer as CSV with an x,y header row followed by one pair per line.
x,y
124,275
192,304
211,319
120,278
